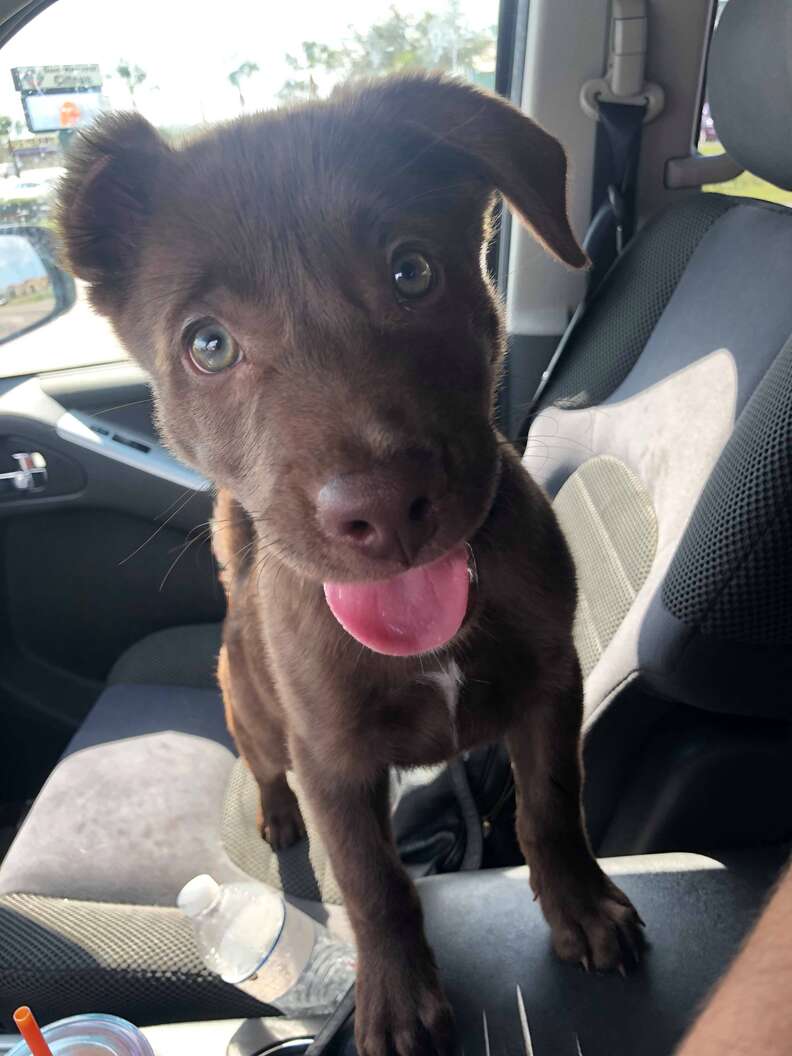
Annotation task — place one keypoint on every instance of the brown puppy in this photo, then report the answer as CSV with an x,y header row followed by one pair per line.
x,y
306,289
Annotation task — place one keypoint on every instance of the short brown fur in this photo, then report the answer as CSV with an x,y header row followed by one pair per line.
x,y
279,226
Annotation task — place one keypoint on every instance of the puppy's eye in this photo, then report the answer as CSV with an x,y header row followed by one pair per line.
x,y
413,276
212,348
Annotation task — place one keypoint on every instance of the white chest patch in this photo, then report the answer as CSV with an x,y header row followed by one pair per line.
x,y
449,681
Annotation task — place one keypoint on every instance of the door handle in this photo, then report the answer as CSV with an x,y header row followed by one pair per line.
x,y
30,474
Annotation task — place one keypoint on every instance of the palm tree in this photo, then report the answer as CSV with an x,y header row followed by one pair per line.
x,y
240,74
134,77
5,133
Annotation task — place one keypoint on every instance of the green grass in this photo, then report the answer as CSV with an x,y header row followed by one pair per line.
x,y
29,298
746,185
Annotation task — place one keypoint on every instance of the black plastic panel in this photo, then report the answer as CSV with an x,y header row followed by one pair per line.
x,y
117,392
489,938
702,781
84,585
69,602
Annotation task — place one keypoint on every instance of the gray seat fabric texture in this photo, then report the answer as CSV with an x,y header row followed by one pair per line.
x,y
682,371
148,794
136,807
608,518
176,656
665,440
700,420
87,891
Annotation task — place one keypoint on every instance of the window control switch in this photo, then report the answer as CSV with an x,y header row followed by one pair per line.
x,y
136,444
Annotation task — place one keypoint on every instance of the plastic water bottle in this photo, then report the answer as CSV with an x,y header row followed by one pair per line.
x,y
251,937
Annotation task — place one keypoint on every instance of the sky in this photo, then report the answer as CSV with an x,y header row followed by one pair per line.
x,y
18,260
188,47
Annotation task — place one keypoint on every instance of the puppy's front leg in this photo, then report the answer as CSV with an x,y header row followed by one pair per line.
x,y
592,921
255,725
400,1004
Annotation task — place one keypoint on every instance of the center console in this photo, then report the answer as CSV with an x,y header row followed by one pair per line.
x,y
491,941
503,980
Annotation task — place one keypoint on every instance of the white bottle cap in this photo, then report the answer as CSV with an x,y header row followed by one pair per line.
x,y
197,895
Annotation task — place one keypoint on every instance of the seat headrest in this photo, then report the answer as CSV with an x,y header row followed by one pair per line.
x,y
750,86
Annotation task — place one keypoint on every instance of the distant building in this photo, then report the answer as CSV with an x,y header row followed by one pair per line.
x,y
27,287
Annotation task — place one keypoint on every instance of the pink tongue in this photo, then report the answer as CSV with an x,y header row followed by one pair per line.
x,y
413,612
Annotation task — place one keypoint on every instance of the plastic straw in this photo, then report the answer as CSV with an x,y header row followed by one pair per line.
x,y
31,1032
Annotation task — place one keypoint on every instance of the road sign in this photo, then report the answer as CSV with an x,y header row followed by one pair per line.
x,y
30,79
56,111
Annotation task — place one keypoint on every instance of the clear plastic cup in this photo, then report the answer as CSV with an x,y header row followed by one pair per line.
x,y
90,1035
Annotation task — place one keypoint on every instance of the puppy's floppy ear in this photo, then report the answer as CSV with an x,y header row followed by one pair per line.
x,y
508,150
106,197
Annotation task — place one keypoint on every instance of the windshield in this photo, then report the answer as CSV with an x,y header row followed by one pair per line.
x,y
184,66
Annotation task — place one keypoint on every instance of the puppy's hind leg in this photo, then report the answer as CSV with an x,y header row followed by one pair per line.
x,y
255,726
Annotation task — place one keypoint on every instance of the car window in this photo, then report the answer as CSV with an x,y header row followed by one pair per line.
x,y
746,185
182,66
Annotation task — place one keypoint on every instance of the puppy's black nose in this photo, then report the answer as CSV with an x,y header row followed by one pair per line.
x,y
387,513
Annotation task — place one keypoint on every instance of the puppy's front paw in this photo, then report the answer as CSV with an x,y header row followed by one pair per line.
x,y
595,923
402,1012
279,819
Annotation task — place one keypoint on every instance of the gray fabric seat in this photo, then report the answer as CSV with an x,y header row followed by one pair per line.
x,y
87,891
665,440
669,463
148,794
176,656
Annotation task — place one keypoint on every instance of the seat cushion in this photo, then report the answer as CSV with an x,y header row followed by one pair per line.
x,y
607,516
100,806
176,656
88,888
696,410
150,793
68,956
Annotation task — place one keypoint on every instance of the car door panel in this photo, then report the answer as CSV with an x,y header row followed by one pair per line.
x,y
116,392
114,545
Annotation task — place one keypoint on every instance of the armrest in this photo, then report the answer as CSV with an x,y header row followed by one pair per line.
x,y
490,938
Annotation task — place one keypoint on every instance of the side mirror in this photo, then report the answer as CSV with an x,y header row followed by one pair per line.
x,y
33,289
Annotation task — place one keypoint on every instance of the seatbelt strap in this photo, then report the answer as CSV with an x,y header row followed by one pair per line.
x,y
613,208
617,151
621,102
